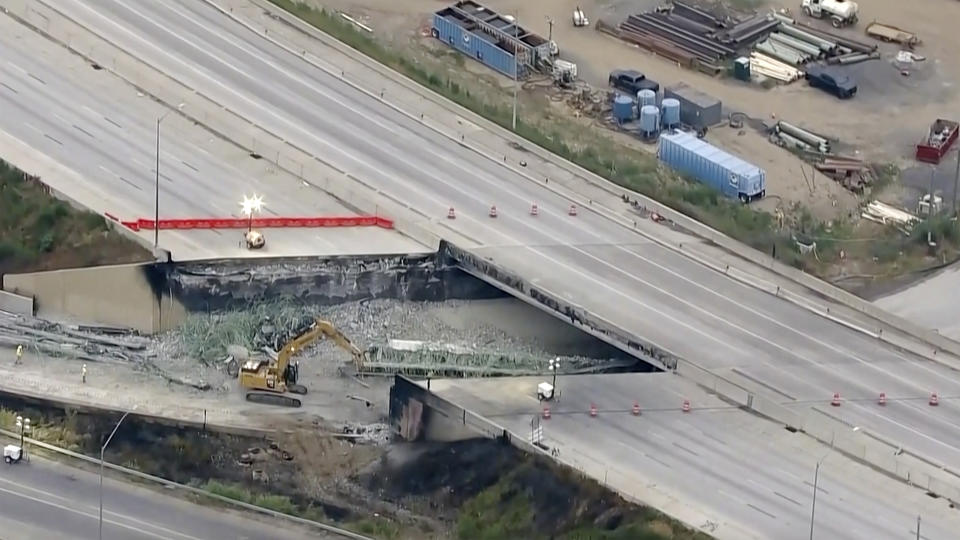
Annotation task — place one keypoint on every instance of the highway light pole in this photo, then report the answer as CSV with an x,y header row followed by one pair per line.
x,y
516,64
102,450
956,180
156,193
816,478
24,425
554,367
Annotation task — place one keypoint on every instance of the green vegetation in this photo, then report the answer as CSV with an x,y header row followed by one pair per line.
x,y
537,500
39,232
638,171
277,503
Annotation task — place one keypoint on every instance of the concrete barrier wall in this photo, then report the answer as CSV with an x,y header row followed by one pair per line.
x,y
120,295
15,303
445,420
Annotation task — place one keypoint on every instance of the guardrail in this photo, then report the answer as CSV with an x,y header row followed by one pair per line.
x,y
189,489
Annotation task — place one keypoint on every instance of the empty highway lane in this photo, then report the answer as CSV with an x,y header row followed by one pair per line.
x,y
610,271
44,499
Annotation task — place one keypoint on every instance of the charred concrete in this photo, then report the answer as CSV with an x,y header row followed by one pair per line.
x,y
229,284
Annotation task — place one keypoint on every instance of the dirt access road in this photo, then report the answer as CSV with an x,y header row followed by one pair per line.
x,y
890,114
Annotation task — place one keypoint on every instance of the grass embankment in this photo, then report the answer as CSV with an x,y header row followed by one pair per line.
x,y
868,248
39,232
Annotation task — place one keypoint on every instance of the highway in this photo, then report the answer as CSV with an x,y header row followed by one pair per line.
x,y
750,477
44,499
662,296
612,272
100,140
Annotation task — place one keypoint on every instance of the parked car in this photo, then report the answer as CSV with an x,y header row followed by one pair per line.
x,y
631,81
831,80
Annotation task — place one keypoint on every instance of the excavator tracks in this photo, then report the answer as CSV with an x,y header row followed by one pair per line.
x,y
273,399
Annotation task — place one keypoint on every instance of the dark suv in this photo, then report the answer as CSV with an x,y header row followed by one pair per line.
x,y
631,81
831,80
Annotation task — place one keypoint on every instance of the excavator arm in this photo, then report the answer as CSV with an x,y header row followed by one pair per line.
x,y
331,332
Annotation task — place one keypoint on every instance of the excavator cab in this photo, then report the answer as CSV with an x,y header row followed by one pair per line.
x,y
269,380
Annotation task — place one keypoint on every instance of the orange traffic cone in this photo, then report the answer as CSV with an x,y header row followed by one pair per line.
x,y
836,399
546,412
686,405
573,210
883,398
636,409
493,211
934,399
451,214
534,211
593,410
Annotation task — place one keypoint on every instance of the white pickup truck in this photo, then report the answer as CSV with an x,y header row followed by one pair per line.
x,y
841,12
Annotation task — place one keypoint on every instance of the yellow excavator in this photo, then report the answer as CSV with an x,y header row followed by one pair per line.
x,y
268,381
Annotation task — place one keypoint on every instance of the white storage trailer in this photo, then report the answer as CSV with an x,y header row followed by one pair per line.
x,y
705,163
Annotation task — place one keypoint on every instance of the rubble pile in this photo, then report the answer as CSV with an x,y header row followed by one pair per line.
x,y
90,344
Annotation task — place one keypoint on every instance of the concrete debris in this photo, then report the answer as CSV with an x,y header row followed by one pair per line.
x,y
376,434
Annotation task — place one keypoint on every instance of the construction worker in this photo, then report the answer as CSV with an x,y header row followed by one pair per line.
x,y
83,374
19,354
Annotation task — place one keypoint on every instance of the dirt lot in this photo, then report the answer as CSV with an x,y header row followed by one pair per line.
x,y
890,114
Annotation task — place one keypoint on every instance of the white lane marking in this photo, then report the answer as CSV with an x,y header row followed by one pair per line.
x,y
440,204
80,512
108,171
18,68
375,121
107,512
33,127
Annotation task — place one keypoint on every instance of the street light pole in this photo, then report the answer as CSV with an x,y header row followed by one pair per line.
x,y
156,193
156,186
918,517
956,180
516,68
102,450
813,507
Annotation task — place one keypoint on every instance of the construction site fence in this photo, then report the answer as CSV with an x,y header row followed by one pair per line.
x,y
259,223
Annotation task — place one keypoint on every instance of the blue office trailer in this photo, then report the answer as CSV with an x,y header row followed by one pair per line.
x,y
724,172
490,38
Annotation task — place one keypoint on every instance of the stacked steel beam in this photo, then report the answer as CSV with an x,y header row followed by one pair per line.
x,y
686,32
797,44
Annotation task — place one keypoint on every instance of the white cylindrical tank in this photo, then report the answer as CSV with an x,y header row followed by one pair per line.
x,y
646,97
671,112
649,119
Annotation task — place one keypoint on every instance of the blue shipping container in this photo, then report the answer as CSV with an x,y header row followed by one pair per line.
x,y
476,45
712,166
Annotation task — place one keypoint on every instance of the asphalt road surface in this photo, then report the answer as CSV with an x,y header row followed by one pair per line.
x,y
925,303
610,271
44,499
102,134
750,477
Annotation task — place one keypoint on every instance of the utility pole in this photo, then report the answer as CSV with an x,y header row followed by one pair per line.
x,y
813,507
516,67
156,194
918,517
933,175
550,26
956,180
